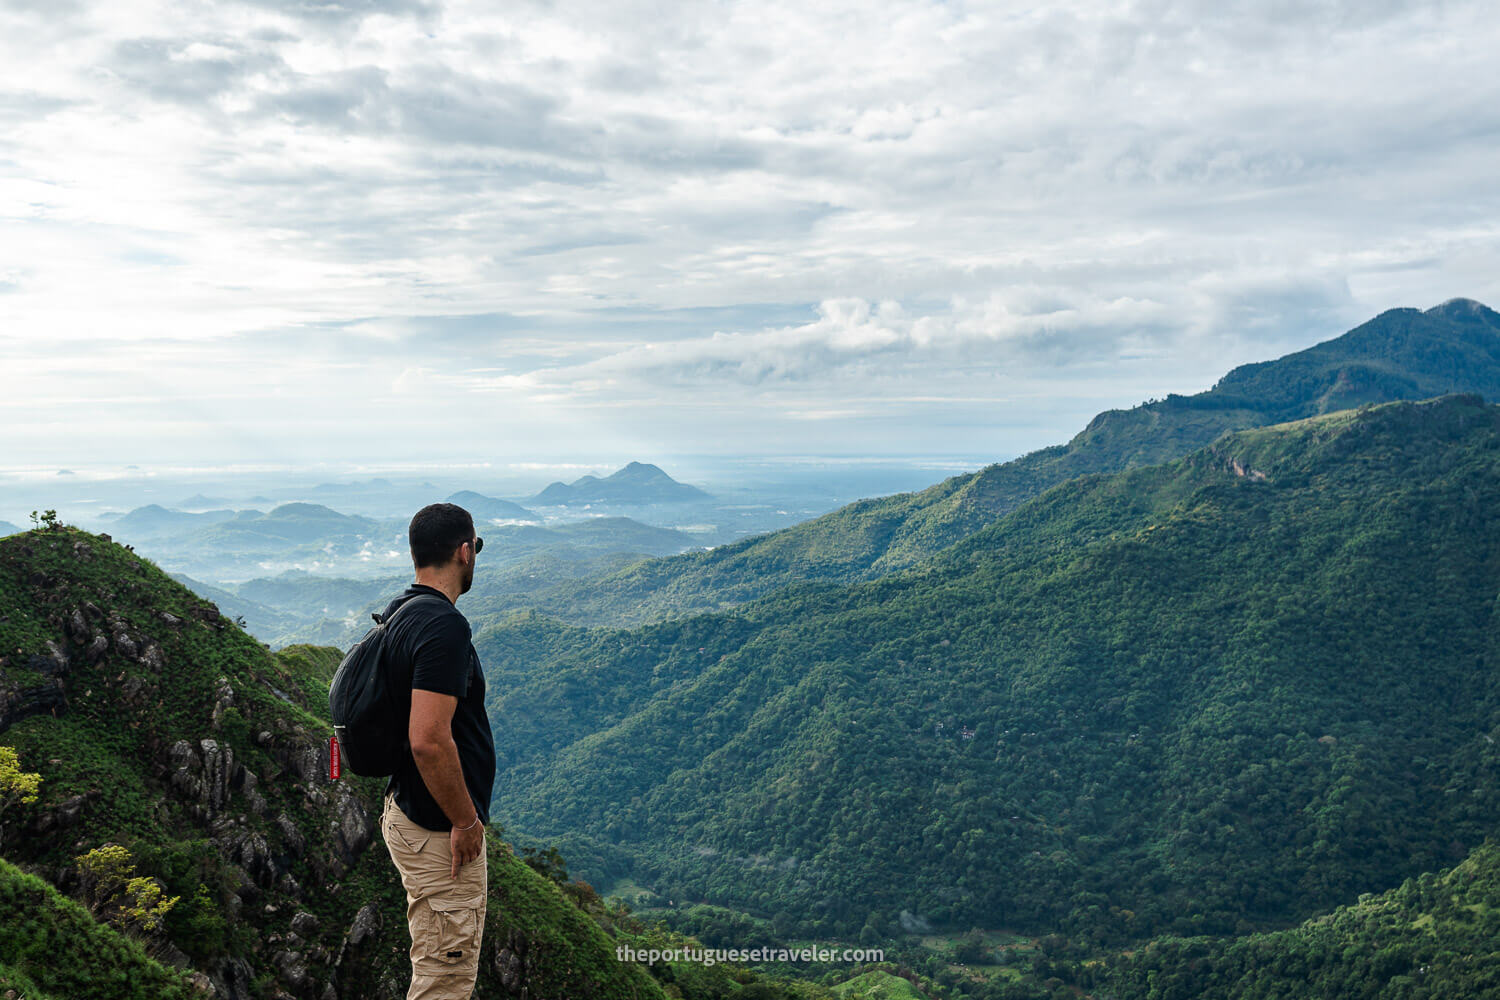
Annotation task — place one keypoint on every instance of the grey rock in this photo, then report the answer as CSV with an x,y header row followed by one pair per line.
x,y
125,646
291,836
138,691
233,979
304,923
97,648
17,703
293,968
355,828
52,663
218,766
363,928
78,629
69,810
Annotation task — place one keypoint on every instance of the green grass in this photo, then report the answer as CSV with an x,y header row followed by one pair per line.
x,y
39,925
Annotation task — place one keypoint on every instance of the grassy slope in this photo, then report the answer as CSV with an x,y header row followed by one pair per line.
x,y
37,924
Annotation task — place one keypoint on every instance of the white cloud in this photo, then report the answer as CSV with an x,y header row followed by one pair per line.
x,y
787,211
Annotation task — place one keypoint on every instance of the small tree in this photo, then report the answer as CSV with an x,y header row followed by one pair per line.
x,y
47,519
130,902
15,785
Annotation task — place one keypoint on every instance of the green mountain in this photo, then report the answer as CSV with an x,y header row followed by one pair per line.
x,y
1208,696
1400,354
159,727
1435,937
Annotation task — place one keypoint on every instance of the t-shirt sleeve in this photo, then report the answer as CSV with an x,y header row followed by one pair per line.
x,y
440,659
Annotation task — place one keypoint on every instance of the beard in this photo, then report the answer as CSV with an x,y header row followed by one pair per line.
x,y
468,579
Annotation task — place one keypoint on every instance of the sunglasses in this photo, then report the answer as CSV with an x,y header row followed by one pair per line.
x,y
478,544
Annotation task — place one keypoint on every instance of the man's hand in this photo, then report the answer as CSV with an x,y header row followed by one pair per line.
x,y
465,845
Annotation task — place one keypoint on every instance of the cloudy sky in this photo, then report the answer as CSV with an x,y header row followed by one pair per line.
x,y
306,231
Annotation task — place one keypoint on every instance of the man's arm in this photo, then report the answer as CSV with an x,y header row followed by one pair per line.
x,y
432,746
431,735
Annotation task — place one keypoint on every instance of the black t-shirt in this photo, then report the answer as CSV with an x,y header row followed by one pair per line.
x,y
429,643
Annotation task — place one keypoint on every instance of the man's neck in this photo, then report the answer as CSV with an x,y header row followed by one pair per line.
x,y
444,582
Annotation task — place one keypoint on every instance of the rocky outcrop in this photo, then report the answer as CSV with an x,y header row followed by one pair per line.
x,y
353,828
359,939
223,700
233,979
64,815
511,962
49,694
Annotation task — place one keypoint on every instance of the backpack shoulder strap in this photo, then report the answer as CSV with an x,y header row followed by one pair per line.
x,y
387,619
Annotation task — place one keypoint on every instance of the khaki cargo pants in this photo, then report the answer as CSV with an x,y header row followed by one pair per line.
x,y
444,914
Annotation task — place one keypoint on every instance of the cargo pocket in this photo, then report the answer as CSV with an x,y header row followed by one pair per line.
x,y
408,836
450,934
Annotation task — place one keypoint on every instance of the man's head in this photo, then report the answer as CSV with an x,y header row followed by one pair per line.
x,y
442,539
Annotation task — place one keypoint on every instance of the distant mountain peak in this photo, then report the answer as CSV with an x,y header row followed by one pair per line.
x,y
634,484
1466,310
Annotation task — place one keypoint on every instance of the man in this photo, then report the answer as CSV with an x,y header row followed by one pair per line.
x,y
437,801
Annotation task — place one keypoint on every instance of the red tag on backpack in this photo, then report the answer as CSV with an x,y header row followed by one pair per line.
x,y
333,758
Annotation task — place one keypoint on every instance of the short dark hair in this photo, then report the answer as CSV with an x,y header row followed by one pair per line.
x,y
437,531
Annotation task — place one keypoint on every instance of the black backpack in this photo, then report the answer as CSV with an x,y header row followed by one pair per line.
x,y
365,706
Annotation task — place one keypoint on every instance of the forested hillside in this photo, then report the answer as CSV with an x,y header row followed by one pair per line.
x,y
1434,937
1207,696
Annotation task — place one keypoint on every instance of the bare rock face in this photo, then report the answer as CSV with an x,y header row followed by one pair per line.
x,y
354,828
53,663
152,658
97,648
78,628
233,979
246,781
292,966
49,695
223,699
363,930
205,777
252,852
186,770
291,836
124,645
218,766
64,815
366,924
510,962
